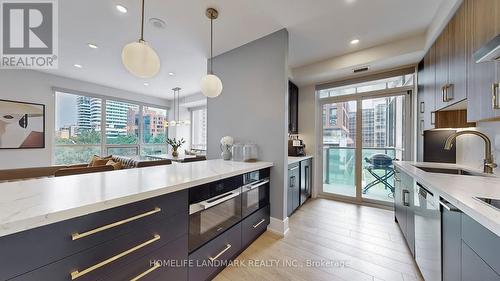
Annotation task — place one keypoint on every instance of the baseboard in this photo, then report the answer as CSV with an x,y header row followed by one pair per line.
x,y
278,227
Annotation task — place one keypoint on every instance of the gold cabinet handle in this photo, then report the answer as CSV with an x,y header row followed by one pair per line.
x,y
76,274
76,236
494,92
155,267
259,223
228,246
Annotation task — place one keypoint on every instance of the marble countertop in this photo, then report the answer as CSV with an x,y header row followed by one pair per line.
x,y
460,190
37,202
293,159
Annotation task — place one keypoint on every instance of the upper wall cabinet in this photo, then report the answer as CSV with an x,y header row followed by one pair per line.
x,y
484,24
451,61
293,108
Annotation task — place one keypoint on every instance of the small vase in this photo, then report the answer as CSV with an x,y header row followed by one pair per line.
x,y
175,153
226,153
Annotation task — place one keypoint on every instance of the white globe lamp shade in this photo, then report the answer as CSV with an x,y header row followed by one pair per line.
x,y
140,59
211,86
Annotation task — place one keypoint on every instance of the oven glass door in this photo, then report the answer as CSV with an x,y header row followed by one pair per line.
x,y
210,218
255,196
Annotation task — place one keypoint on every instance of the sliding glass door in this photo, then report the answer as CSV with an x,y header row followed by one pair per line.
x,y
339,147
361,136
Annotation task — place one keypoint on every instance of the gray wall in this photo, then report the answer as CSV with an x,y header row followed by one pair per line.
x,y
253,106
36,87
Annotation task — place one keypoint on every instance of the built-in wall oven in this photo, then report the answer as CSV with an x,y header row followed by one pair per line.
x,y
213,208
255,191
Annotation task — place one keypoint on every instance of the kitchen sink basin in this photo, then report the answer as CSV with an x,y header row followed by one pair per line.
x,y
451,171
495,203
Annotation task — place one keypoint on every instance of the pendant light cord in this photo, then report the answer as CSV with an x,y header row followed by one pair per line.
x,y
211,45
142,22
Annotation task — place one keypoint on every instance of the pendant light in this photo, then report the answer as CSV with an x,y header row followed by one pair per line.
x,y
211,85
139,58
176,120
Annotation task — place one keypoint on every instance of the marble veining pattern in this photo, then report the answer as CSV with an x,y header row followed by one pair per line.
x,y
33,203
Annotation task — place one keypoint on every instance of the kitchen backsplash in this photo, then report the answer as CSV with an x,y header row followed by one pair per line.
x,y
470,149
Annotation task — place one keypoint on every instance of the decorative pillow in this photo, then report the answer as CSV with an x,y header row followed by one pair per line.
x,y
116,165
99,161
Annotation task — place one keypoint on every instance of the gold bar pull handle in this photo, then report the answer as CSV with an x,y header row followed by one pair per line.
x,y
495,98
76,274
228,246
155,267
259,223
76,236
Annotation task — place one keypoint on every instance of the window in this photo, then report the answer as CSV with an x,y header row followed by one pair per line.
x,y
199,129
333,116
376,85
79,135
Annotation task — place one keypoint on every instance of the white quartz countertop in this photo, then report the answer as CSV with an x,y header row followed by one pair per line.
x,y
33,203
293,159
460,190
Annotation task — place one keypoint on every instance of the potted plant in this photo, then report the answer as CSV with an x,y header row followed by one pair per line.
x,y
175,144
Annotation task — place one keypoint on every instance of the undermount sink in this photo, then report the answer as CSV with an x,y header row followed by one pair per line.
x,y
451,171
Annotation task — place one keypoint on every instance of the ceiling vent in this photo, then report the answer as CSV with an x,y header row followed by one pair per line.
x,y
360,69
157,23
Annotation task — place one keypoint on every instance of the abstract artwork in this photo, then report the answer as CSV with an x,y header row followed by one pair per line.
x,y
22,125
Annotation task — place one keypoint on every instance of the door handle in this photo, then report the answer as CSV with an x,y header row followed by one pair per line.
x,y
448,207
494,93
405,198
257,184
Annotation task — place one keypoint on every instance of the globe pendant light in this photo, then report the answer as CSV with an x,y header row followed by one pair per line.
x,y
211,85
176,120
139,58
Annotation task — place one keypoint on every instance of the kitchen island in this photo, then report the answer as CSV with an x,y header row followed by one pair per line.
x,y
132,224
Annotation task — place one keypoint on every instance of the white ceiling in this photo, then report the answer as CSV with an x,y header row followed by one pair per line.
x,y
319,29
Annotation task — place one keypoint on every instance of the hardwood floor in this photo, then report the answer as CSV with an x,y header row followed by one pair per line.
x,y
329,240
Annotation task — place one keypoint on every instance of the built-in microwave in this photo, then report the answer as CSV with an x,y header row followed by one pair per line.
x,y
213,208
255,191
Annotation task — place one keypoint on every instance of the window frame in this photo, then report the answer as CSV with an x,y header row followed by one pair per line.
x,y
104,146
191,135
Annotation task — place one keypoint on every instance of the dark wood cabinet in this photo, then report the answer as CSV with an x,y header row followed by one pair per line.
x,y
293,108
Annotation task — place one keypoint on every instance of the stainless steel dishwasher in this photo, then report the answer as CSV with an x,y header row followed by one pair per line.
x,y
428,233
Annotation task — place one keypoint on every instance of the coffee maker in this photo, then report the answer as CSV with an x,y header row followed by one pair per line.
x,y
296,147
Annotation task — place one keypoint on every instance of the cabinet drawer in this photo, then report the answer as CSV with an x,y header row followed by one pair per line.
x,y
474,268
35,248
209,259
253,226
484,242
166,263
105,258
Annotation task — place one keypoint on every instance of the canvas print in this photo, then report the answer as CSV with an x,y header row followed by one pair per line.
x,y
22,125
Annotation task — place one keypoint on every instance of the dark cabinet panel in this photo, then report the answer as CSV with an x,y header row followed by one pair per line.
x,y
253,226
474,268
484,242
293,108
206,260
451,233
24,252
403,207
104,259
166,263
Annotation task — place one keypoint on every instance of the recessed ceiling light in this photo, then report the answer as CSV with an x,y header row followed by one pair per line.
x,y
157,23
146,84
355,41
77,65
121,9
92,46
171,73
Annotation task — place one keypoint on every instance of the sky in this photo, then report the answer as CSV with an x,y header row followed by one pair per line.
x,y
66,113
